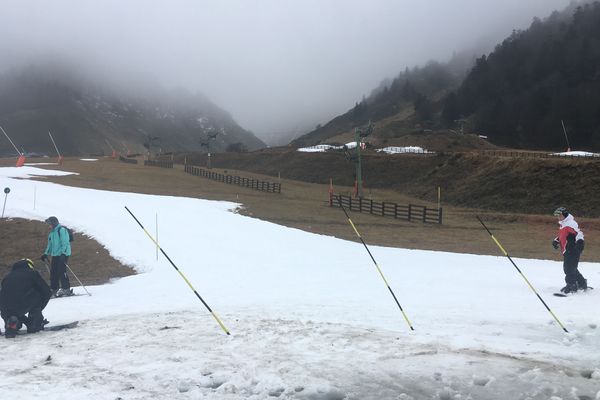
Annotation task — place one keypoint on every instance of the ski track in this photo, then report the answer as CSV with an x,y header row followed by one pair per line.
x,y
312,321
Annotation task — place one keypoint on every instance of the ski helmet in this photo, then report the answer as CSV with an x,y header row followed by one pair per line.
x,y
24,262
52,221
561,210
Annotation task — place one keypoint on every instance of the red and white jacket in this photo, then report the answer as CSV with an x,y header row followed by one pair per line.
x,y
567,227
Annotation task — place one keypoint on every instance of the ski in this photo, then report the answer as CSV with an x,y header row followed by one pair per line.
x,y
570,294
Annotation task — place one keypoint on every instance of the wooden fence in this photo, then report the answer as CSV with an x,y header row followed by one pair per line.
x,y
128,160
158,163
251,183
409,212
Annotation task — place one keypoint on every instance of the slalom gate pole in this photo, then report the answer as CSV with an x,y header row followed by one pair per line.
x,y
523,276
376,265
69,268
180,273
6,192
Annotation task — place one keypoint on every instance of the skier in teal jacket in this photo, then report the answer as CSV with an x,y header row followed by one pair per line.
x,y
59,248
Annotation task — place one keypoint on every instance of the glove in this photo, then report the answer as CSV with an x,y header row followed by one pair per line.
x,y
555,244
44,258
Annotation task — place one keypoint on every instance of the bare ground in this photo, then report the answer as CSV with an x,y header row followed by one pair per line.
x,y
305,206
21,238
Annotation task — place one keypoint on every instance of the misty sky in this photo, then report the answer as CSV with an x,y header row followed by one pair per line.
x,y
275,65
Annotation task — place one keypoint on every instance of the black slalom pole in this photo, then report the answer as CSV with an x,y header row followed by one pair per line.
x,y
6,192
523,276
180,273
376,265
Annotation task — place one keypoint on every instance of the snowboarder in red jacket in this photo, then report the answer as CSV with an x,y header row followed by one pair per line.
x,y
571,242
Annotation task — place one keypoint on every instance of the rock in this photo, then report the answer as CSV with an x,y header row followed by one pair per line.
x,y
446,394
481,380
183,387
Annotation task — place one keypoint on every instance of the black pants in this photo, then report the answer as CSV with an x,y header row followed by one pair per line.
x,y
570,264
31,315
58,273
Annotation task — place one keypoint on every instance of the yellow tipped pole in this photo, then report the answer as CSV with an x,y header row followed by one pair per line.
x,y
522,275
377,266
180,273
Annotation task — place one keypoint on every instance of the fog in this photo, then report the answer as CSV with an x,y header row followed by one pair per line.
x,y
275,65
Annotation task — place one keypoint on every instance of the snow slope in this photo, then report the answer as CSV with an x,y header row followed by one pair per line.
x,y
577,154
310,318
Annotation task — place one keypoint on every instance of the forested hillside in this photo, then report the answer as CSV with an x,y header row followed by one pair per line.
x,y
519,94
410,99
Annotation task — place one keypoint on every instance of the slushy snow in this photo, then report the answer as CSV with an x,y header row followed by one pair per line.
x,y
310,317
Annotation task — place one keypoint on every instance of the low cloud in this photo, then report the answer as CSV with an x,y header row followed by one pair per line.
x,y
275,65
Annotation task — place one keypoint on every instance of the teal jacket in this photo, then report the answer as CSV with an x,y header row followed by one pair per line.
x,y
58,242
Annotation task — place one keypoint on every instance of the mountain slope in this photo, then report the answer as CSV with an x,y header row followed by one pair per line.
x,y
90,118
397,107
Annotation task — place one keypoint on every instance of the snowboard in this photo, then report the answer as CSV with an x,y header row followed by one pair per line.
x,y
73,295
560,294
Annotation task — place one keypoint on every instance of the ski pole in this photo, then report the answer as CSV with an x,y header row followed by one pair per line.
x,y
376,265
180,273
47,268
69,268
522,275
6,192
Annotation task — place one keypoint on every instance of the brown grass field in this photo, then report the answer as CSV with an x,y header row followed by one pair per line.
x,y
91,262
300,205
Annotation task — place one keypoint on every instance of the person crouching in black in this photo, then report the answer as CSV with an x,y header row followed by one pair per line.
x,y
23,291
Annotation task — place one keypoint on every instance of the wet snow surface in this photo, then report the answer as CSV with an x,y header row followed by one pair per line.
x,y
309,316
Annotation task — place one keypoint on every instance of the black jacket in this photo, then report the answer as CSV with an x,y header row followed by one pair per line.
x,y
23,288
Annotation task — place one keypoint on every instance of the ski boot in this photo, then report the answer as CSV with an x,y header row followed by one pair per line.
x,y
36,321
570,288
12,327
582,285
64,292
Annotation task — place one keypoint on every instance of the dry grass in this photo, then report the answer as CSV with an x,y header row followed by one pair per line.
x,y
305,206
20,238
